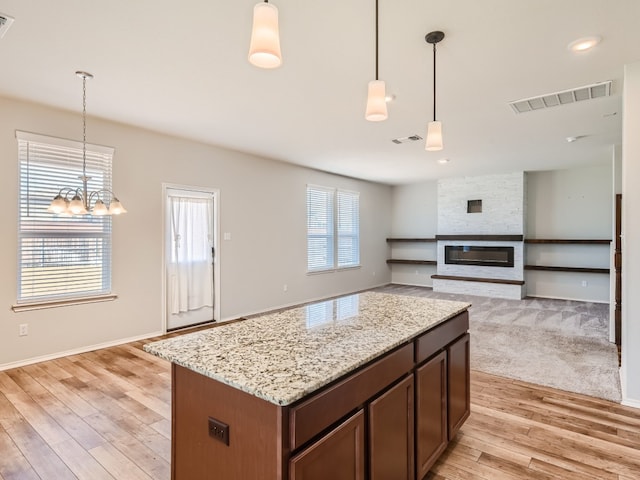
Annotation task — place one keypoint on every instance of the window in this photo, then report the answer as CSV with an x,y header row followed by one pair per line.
x,y
333,228
60,258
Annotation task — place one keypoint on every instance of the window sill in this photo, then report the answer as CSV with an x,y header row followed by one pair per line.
x,y
333,270
26,307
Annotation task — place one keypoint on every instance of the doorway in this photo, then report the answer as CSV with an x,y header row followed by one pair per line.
x,y
618,279
191,273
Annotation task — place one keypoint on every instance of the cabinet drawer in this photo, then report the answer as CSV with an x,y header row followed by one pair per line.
x,y
322,410
436,339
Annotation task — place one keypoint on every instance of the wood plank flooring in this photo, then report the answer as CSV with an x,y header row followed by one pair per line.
x,y
106,415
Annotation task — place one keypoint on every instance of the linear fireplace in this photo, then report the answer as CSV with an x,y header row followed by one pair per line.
x,y
478,255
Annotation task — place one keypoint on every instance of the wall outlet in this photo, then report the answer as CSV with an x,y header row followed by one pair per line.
x,y
285,287
24,330
227,235
584,283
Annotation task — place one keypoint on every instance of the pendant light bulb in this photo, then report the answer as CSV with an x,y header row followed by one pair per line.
x,y
434,137
376,102
264,50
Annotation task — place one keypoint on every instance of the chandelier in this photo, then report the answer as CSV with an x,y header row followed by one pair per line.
x,y
81,198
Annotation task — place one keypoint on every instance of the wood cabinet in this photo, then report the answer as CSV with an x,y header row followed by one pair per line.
x,y
339,455
391,433
388,420
458,392
431,412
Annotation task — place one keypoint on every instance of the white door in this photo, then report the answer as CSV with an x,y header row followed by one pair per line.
x,y
190,257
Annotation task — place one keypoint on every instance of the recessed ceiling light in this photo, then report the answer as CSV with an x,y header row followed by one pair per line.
x,y
443,161
585,43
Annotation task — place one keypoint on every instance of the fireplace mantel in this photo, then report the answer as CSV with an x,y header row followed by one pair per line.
x,y
483,238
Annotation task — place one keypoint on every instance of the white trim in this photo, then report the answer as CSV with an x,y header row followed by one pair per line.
x,y
631,403
28,306
569,298
62,142
76,351
215,192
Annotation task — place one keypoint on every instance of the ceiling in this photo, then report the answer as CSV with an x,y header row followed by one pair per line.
x,y
181,68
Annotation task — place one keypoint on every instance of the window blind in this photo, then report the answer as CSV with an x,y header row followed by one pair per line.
x,y
348,227
333,228
61,257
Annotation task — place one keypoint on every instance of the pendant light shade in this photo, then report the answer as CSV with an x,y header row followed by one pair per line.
x,y
264,50
434,141
376,102
376,93
434,137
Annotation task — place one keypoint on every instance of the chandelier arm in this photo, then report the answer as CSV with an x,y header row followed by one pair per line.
x,y
98,192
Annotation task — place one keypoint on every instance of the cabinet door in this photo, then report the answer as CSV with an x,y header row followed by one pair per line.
x,y
431,413
391,434
459,400
339,455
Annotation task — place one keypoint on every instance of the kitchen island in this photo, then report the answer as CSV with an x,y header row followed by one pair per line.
x,y
371,385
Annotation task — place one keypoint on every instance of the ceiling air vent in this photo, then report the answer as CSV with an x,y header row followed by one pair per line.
x,y
5,23
410,138
588,92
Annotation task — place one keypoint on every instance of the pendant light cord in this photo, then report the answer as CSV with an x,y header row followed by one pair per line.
x,y
376,39
434,82
84,126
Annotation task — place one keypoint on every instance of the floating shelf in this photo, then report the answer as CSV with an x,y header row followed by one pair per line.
x,y
566,241
412,262
412,240
479,279
567,269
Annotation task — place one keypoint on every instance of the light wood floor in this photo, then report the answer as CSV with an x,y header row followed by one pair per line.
x,y
106,414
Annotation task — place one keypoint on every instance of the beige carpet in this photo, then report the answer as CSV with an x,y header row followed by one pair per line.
x,y
556,343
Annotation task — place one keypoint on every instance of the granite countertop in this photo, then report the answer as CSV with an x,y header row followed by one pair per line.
x,y
283,356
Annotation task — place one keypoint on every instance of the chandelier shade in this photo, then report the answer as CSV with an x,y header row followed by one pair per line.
x,y
264,49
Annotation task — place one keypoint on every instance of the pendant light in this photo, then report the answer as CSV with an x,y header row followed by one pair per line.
x,y
264,50
376,97
434,129
81,198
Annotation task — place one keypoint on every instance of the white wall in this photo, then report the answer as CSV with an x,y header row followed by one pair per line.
x,y
414,214
571,203
262,205
631,236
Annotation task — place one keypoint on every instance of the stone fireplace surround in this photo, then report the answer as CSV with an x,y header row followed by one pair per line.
x,y
499,222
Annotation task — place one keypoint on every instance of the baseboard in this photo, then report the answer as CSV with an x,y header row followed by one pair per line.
x,y
412,284
568,298
76,351
628,402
